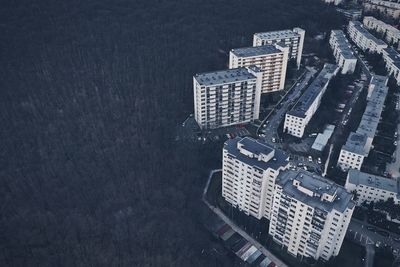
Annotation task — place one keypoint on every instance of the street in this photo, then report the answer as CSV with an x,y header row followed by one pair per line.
x,y
236,228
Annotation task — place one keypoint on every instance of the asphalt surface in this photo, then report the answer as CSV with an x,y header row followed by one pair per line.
x,y
236,228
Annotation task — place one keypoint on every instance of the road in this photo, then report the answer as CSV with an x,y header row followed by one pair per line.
x,y
236,228
359,230
277,114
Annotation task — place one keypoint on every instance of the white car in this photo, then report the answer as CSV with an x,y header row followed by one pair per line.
x,y
273,140
309,158
319,161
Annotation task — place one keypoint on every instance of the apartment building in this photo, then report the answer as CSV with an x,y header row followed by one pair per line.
x,y
227,97
271,59
359,143
310,215
353,152
350,14
342,52
391,34
364,39
293,39
298,117
387,8
392,61
335,2
249,170
372,188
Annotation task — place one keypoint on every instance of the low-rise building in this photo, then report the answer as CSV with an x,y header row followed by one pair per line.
x,y
335,2
364,39
227,97
310,215
293,39
322,138
387,8
342,52
392,61
299,116
353,152
359,143
350,14
391,34
249,170
372,188
271,59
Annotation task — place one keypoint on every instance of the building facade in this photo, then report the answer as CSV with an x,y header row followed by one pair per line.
x,y
227,97
310,215
271,59
364,39
359,143
342,52
249,170
387,8
371,188
391,34
392,61
293,39
299,116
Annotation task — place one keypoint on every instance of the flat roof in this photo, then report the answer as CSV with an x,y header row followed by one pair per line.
x,y
343,44
355,143
318,185
224,76
360,28
255,51
279,160
375,103
313,90
357,177
393,55
277,34
323,138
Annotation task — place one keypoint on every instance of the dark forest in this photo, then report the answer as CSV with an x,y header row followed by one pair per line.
x,y
91,93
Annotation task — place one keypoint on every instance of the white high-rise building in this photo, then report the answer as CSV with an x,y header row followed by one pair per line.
x,y
310,215
392,34
294,39
250,168
372,188
299,116
227,97
364,39
271,59
342,52
392,60
359,143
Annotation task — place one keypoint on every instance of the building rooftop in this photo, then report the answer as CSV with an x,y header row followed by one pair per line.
x,y
360,28
318,187
223,76
313,90
323,138
343,44
255,51
257,147
361,178
393,55
375,103
272,35
356,143
387,27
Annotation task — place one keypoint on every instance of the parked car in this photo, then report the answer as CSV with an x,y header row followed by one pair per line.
x,y
309,158
319,161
